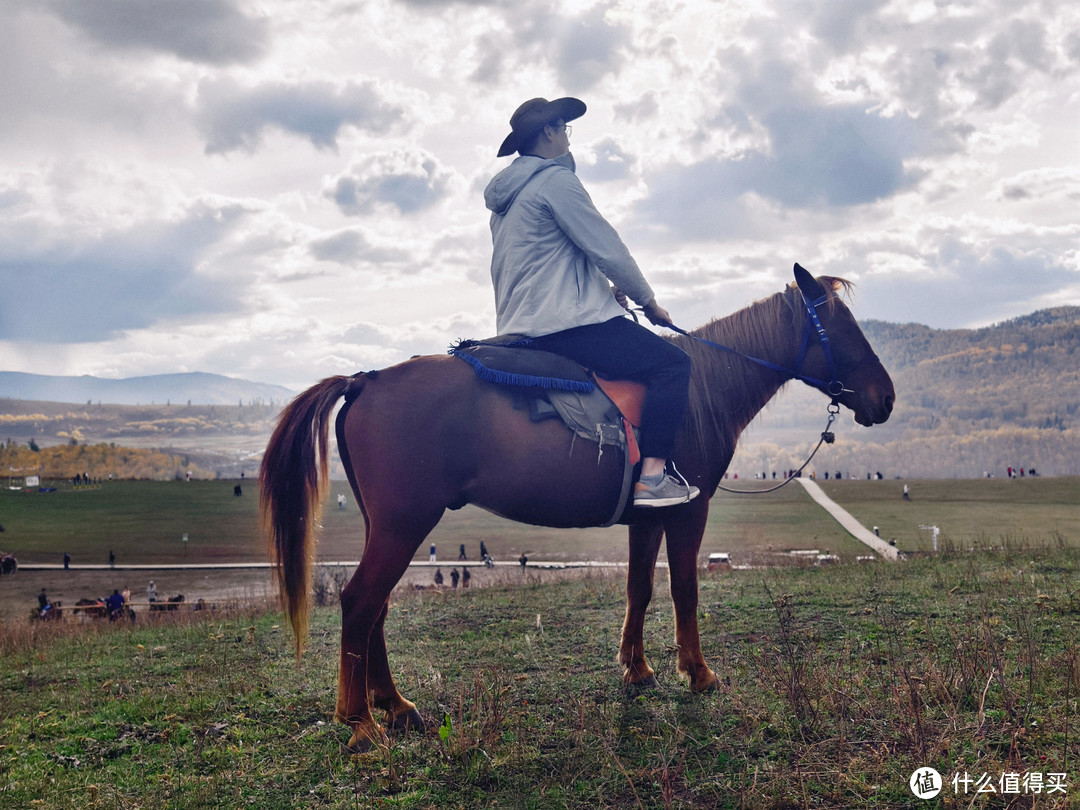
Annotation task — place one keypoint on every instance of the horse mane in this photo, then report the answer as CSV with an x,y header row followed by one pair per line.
x,y
727,392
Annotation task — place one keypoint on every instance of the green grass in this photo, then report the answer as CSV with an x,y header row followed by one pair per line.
x,y
141,521
970,513
144,521
836,684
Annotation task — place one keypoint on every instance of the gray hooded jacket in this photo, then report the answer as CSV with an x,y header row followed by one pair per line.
x,y
552,251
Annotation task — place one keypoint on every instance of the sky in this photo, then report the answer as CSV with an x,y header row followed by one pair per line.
x,y
282,191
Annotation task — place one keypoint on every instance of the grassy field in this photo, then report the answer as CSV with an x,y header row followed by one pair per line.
x,y
970,513
143,523
837,684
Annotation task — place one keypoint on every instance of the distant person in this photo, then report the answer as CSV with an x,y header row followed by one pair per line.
x,y
115,605
43,601
483,550
431,553
524,561
461,552
438,577
466,577
151,592
237,491
188,476
112,559
454,577
67,561
126,593
907,494
340,501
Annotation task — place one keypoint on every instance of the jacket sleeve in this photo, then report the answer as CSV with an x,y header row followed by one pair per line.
x,y
575,214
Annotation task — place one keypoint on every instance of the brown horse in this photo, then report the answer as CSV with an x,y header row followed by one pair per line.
x,y
426,435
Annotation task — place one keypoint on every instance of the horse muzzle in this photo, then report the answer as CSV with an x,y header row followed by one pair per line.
x,y
873,408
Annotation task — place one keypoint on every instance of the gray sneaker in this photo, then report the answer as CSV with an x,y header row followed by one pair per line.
x,y
671,491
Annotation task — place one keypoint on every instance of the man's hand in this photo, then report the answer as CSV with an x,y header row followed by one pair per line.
x,y
656,314
620,296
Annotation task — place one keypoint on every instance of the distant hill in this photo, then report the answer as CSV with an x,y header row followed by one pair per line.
x,y
196,388
968,402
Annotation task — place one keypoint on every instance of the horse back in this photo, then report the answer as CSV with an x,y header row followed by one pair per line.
x,y
427,435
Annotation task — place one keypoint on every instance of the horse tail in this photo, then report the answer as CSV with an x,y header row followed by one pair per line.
x,y
292,481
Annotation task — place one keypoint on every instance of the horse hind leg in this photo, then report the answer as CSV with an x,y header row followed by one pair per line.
x,y
400,713
364,667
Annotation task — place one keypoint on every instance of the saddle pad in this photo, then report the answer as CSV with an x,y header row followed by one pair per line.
x,y
506,364
567,388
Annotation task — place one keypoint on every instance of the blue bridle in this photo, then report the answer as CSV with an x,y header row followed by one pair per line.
x,y
813,326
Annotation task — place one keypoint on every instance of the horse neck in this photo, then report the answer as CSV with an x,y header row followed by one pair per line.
x,y
726,391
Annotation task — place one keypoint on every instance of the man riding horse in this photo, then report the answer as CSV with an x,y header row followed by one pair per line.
x,y
553,256
428,434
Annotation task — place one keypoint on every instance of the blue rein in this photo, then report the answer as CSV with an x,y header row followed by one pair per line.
x,y
832,388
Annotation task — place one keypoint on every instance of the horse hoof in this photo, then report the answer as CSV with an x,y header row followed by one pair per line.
x,y
646,684
410,721
361,741
712,685
356,746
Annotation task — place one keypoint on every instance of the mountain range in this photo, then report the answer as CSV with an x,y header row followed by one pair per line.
x,y
970,402
195,388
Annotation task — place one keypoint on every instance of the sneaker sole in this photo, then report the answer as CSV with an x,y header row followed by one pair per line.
x,y
653,503
660,502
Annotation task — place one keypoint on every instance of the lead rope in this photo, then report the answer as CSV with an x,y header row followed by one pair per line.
x,y
827,437
834,388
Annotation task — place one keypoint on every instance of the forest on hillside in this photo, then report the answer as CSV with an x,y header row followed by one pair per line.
x,y
94,463
969,402
54,422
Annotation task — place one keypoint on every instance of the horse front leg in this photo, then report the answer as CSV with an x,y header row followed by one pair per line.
x,y
644,546
683,542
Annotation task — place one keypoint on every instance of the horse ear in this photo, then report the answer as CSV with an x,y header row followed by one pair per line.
x,y
809,285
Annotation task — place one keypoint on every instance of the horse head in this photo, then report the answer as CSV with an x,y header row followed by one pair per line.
x,y
837,351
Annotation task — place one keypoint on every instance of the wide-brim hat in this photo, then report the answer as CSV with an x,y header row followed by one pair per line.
x,y
533,115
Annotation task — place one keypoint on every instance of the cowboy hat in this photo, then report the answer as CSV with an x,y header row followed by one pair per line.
x,y
533,115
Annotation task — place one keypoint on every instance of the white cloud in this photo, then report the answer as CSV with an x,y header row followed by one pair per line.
x,y
216,32
353,245
87,290
281,191
232,117
409,180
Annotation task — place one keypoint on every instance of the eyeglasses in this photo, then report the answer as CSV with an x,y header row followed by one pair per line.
x,y
569,129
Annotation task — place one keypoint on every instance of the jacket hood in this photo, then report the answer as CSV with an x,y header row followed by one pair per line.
x,y
505,186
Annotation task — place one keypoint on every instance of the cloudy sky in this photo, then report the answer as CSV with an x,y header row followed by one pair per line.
x,y
281,191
